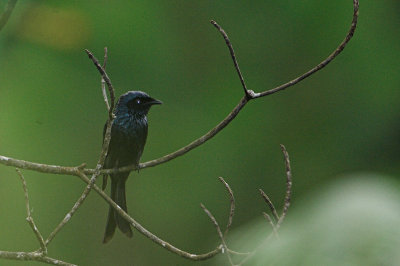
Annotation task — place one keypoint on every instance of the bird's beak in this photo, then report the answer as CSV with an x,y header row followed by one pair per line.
x,y
153,101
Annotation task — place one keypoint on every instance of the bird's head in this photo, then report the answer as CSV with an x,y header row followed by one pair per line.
x,y
135,103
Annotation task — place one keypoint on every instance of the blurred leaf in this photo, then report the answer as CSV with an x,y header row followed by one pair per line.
x,y
58,28
355,221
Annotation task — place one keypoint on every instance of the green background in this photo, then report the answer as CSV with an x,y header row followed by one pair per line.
x,y
342,120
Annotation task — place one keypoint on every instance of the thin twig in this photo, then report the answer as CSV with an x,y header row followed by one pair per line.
x,y
106,79
29,218
288,187
103,83
32,256
238,253
321,65
270,204
221,236
235,63
7,13
269,219
232,201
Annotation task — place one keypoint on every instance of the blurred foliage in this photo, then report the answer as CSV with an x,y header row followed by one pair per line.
x,y
340,120
351,222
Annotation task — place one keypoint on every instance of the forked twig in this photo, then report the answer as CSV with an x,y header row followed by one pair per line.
x,y
29,218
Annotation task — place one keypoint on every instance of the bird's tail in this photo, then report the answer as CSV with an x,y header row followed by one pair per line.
x,y
114,219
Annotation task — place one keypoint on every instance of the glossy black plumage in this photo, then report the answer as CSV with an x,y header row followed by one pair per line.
x,y
128,138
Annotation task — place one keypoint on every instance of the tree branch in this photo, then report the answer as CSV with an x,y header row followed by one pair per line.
x,y
81,172
249,95
70,170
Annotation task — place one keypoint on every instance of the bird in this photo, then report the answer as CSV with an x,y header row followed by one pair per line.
x,y
128,138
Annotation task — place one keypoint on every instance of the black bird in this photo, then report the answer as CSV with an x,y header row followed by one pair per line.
x,y
128,137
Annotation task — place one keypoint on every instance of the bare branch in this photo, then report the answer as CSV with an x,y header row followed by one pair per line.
x,y
70,170
221,236
248,96
235,63
7,13
32,256
29,218
232,209
270,204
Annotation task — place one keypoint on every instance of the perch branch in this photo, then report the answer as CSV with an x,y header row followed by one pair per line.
x,y
71,170
249,95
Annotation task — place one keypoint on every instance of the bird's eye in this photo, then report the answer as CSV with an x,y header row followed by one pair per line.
x,y
138,101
